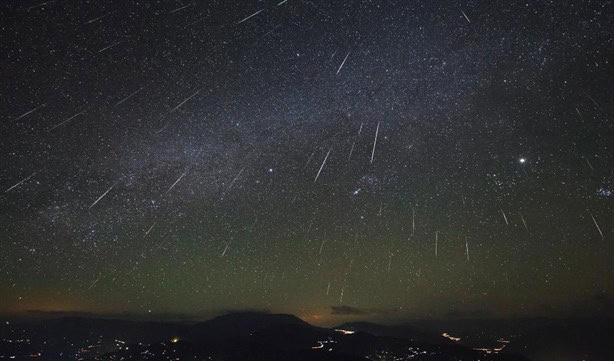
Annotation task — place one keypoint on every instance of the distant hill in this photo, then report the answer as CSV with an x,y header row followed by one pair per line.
x,y
540,339
567,340
408,332
262,336
239,336
244,323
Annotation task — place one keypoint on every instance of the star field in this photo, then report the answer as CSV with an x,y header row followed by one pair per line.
x,y
414,159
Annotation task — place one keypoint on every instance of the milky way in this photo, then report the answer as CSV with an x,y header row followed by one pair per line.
x,y
414,158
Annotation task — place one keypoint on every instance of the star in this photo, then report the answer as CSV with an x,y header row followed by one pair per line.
x,y
262,125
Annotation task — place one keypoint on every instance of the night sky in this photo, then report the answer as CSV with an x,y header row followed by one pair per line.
x,y
329,159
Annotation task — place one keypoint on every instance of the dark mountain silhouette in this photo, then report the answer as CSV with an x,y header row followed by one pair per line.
x,y
238,336
257,334
567,340
244,323
129,331
539,338
261,336
55,337
408,332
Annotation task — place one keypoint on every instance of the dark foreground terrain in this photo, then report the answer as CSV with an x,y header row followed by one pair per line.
x,y
257,336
